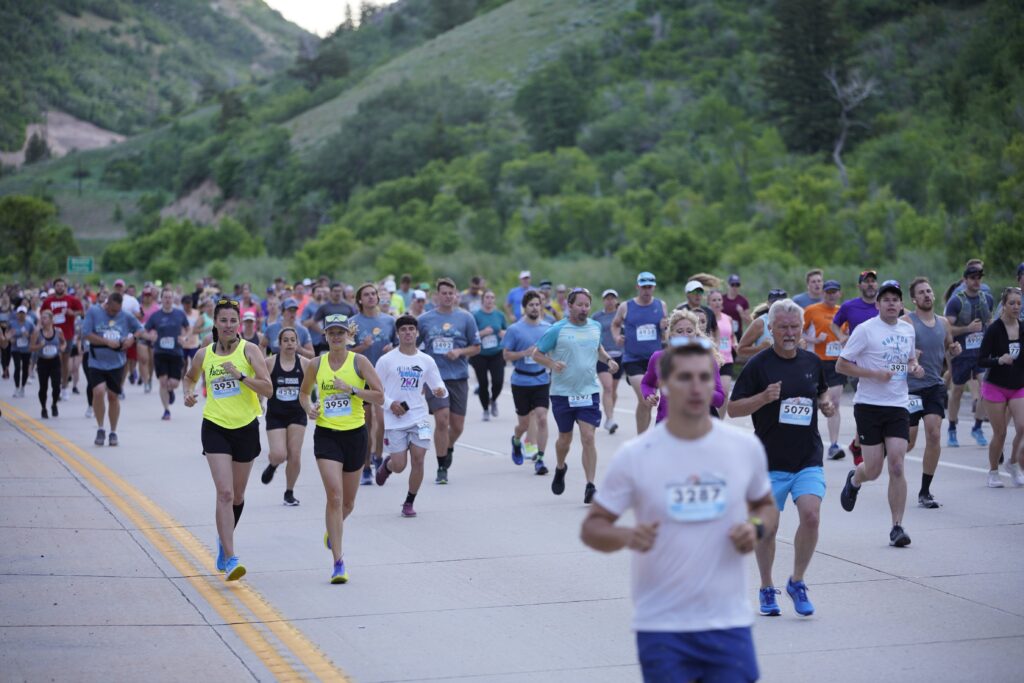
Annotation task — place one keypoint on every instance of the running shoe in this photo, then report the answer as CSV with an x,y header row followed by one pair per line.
x,y
53,410
898,537
1016,475
222,561
327,540
170,397
44,414
340,575
407,510
74,390
612,426
530,450
798,591
233,569
376,461
855,452
926,500
848,496
134,378
588,493
487,415
147,387
835,452
558,483
88,411
994,482
268,474
112,439
442,475
367,479
101,437
769,605
979,436
517,452
167,415
290,499
538,466
951,439
383,472
494,409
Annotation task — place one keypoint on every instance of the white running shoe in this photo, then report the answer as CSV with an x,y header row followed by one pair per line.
x,y
1016,474
88,411
487,415
994,482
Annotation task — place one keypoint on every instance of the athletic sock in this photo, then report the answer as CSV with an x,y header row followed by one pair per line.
x,y
516,440
237,509
977,423
540,455
952,426
409,498
926,482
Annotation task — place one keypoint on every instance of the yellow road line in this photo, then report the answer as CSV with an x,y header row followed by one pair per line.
x,y
163,528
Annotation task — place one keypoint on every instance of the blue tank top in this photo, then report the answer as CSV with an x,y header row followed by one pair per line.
x,y
642,330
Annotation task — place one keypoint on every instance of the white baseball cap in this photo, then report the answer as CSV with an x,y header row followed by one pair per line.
x,y
419,294
390,286
694,285
21,309
611,292
523,274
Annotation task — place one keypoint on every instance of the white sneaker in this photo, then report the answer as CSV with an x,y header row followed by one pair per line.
x,y
88,411
487,415
994,482
494,409
1016,474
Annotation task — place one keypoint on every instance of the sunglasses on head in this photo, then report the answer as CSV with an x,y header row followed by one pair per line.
x,y
697,342
224,301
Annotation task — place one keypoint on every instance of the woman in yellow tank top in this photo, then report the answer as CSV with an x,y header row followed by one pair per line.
x,y
236,376
344,380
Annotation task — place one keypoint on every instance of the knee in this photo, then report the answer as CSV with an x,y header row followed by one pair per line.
x,y
334,499
810,519
895,467
225,496
587,440
397,466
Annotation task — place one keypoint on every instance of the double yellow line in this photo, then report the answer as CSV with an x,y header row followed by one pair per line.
x,y
282,648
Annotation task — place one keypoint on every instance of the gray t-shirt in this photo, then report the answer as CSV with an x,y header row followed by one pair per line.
x,y
607,339
381,329
931,341
803,300
274,330
118,327
442,332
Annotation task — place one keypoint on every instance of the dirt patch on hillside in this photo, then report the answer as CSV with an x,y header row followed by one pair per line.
x,y
203,205
63,133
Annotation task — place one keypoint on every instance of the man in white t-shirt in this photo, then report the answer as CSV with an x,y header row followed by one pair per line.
x,y
407,425
881,352
702,499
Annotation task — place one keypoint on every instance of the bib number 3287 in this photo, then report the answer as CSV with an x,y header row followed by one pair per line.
x,y
696,502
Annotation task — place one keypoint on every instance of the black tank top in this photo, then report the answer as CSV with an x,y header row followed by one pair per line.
x,y
286,383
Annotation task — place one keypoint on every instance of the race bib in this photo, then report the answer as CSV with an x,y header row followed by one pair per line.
x,y
442,345
424,430
833,349
915,405
337,405
21,342
49,351
698,502
112,335
735,326
646,333
724,345
1014,349
287,393
796,411
898,370
167,343
489,342
581,401
58,319
226,387
528,360
973,341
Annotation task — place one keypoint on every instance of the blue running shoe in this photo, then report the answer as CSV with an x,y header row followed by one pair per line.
x,y
234,569
769,606
367,479
222,561
517,452
952,443
340,575
979,436
798,591
538,467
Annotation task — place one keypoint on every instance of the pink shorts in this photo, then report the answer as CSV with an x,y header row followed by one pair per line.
x,y
991,392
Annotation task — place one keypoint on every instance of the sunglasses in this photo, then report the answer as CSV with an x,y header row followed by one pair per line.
x,y
695,342
224,301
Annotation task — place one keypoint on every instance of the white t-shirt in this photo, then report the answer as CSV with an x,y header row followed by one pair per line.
x,y
693,579
130,305
877,345
404,377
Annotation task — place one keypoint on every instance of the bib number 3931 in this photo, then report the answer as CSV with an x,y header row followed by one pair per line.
x,y
338,405
796,411
696,502
898,370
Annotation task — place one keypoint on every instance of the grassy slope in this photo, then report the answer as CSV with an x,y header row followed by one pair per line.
x,y
495,51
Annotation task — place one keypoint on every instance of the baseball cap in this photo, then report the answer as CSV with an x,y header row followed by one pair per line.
x,y
425,286
339,320
561,288
645,278
545,284
694,285
777,295
248,315
831,285
270,289
307,282
289,303
21,309
524,273
419,294
390,286
119,282
865,274
974,270
890,286
734,279
609,292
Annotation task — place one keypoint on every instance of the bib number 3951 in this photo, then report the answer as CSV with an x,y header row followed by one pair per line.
x,y
696,502
225,388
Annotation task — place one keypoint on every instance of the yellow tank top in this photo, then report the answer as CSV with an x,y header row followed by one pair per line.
x,y
229,403
337,410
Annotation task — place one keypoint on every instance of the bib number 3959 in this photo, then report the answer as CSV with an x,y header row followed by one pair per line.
x,y
696,502
339,405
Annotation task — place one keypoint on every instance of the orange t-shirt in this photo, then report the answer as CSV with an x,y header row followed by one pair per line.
x,y
819,316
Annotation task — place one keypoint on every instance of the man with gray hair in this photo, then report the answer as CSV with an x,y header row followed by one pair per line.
x,y
783,387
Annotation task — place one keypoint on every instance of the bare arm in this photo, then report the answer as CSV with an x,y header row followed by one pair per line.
x,y
617,322
375,394
600,532
260,382
747,346
306,390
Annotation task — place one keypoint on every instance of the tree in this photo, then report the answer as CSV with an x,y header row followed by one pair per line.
x,y
553,105
849,95
37,149
36,243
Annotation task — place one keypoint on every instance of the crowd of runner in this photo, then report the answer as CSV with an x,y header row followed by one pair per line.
x,y
383,371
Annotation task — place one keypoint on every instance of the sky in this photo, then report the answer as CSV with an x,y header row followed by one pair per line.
x,y
318,16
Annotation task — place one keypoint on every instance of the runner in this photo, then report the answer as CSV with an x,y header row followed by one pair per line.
x,y
969,312
405,289
726,343
334,305
404,372
531,384
472,299
758,337
698,489
48,341
309,323
190,342
374,336
695,302
683,325
933,341
66,309
783,388
450,336
637,328
250,329
570,349
489,362
1003,389
345,382
609,380
289,313
19,335
236,375
286,420
144,347
419,303
815,290
736,306
821,338
165,330
110,332
514,300
7,314
881,352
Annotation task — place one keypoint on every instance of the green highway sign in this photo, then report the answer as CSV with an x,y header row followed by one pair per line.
x,y
80,264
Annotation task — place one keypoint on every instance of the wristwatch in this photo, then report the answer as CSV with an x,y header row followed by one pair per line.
x,y
355,392
758,526
241,377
